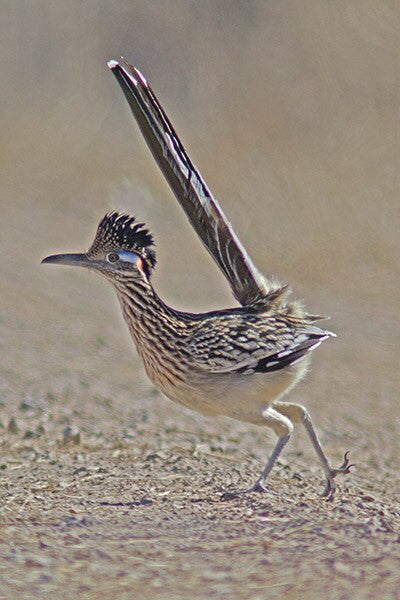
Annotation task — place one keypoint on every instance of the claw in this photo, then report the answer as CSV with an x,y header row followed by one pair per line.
x,y
345,467
257,487
329,491
229,495
330,487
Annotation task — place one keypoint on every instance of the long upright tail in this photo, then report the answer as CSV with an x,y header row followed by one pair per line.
x,y
248,285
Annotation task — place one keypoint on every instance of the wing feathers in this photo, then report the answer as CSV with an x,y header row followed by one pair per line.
x,y
274,361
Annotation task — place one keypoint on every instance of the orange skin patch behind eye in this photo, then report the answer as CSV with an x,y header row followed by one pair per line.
x,y
140,264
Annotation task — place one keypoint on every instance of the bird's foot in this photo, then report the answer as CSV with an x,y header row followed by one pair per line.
x,y
330,487
257,487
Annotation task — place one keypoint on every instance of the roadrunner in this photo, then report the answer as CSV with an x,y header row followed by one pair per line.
x,y
239,362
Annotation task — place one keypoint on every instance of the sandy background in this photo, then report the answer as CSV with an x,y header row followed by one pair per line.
x,y
291,110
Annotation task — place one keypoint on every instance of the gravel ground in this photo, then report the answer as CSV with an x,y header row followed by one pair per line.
x,y
103,498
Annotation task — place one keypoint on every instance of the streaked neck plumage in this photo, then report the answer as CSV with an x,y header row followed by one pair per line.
x,y
156,328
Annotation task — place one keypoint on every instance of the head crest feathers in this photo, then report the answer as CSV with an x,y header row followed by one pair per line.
x,y
117,230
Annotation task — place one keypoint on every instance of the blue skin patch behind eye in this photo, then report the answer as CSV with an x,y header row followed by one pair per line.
x,y
129,257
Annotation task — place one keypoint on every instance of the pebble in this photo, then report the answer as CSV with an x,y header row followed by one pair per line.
x,y
12,426
71,435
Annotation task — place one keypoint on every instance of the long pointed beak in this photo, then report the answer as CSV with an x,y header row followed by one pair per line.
x,y
73,260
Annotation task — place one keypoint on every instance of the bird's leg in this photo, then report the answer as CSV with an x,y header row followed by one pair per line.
x,y
283,428
298,414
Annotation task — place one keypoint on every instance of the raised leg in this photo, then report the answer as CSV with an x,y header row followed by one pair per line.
x,y
298,414
283,428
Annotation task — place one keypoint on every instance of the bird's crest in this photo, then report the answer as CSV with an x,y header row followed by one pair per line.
x,y
121,231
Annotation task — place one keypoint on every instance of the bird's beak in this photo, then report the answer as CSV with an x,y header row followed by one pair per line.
x,y
73,260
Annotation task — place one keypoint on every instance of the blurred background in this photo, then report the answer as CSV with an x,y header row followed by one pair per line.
x,y
291,112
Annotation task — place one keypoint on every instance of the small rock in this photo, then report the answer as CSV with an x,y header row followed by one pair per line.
x,y
145,502
25,406
72,521
71,435
40,429
152,456
80,471
12,426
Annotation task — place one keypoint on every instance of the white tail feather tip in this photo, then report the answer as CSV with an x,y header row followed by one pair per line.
x,y
112,64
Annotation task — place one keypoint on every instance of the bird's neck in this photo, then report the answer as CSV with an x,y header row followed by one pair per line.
x,y
139,300
155,328
146,315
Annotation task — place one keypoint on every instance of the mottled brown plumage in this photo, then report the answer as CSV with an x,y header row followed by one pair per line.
x,y
238,362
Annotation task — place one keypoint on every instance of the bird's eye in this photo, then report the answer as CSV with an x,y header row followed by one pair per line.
x,y
112,257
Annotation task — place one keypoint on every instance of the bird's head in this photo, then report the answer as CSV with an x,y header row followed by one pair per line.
x,y
121,246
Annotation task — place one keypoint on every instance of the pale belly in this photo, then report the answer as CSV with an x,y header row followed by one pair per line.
x,y
240,397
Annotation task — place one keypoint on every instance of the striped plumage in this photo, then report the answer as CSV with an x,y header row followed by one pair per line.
x,y
237,362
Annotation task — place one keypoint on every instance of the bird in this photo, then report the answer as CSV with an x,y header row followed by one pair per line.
x,y
239,362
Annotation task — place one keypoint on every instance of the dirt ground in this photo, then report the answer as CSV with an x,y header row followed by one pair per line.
x,y
108,490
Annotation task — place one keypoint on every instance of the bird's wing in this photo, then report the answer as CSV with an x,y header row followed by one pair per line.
x,y
231,348
284,358
273,360
203,211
